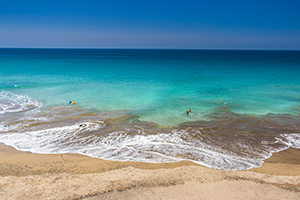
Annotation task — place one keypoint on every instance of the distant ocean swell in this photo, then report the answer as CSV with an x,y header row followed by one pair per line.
x,y
225,140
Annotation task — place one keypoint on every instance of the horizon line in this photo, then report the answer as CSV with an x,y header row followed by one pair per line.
x,y
152,48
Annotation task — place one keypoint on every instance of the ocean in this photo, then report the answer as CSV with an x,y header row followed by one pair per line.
x,y
131,104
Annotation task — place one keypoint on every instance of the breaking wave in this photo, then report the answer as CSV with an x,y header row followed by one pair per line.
x,y
228,141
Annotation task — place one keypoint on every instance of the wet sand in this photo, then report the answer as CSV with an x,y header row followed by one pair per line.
x,y
285,163
24,175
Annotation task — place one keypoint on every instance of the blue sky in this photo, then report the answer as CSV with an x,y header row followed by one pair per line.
x,y
189,24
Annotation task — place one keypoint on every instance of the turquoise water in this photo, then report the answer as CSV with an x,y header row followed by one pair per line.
x,y
141,96
157,85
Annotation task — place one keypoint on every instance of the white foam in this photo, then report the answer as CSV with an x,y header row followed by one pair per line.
x,y
10,128
291,140
163,147
168,147
48,140
155,148
10,102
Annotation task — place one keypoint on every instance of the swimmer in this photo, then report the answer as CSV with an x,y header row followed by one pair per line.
x,y
73,102
70,102
190,110
187,112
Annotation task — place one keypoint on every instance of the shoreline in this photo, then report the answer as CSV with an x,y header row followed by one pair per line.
x,y
24,175
284,163
12,160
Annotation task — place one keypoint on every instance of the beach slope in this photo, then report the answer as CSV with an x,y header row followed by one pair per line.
x,y
24,175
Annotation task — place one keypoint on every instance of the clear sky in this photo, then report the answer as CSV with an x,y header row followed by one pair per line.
x,y
189,24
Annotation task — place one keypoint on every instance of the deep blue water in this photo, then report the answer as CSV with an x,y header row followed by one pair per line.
x,y
132,103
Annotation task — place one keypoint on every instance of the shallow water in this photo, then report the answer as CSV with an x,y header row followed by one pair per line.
x,y
131,104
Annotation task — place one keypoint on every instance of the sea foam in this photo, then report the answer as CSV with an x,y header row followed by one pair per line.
x,y
82,138
10,102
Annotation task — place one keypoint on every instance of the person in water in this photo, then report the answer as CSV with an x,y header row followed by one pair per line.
x,y
190,110
72,102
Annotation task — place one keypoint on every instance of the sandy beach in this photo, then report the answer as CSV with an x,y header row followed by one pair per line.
x,y
24,175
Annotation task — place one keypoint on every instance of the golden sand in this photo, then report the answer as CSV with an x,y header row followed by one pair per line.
x,y
24,175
